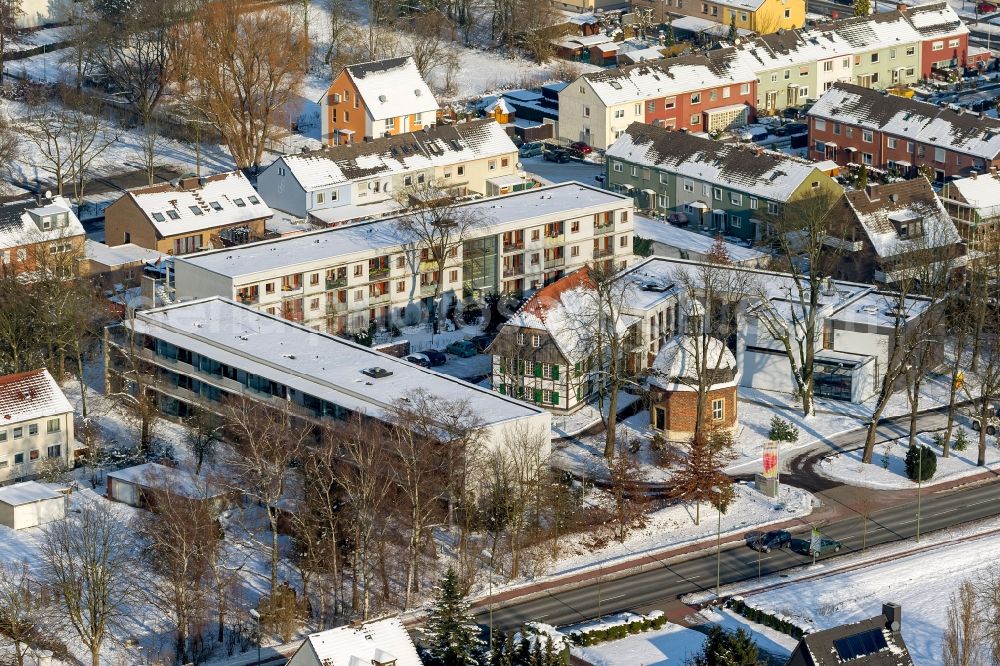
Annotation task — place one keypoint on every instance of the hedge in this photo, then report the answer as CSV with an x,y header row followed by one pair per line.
x,y
653,621
767,619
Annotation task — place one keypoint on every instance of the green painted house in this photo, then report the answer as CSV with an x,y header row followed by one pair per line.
x,y
719,187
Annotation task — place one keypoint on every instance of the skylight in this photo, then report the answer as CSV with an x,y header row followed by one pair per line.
x,y
240,203
172,214
215,205
196,210
254,200
159,217
860,645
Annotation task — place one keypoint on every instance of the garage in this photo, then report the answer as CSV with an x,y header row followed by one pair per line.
x,y
30,504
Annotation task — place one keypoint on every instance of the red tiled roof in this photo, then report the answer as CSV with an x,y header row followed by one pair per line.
x,y
550,296
30,395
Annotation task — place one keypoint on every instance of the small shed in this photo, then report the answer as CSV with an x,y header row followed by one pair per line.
x,y
135,485
30,504
501,111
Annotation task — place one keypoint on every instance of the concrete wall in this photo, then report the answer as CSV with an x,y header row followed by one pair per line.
x,y
282,192
32,514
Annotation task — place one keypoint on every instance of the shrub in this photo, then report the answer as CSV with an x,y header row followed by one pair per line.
x,y
961,440
782,431
921,462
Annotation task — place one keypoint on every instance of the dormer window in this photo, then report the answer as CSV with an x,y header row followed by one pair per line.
x,y
907,224
46,223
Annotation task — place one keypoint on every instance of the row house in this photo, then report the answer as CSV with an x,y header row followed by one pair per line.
x,y
341,183
855,125
760,16
974,206
342,278
198,356
699,93
884,233
188,215
37,233
36,425
376,99
885,49
723,188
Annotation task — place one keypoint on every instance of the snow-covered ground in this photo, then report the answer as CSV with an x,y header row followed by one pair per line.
x,y
921,583
673,644
554,172
888,470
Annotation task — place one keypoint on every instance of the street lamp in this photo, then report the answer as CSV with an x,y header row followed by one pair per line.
x,y
256,618
920,479
718,541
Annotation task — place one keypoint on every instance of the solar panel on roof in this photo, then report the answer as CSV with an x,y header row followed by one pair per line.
x,y
860,645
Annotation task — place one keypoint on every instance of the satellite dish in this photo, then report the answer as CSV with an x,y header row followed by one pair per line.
x,y
519,166
48,194
894,626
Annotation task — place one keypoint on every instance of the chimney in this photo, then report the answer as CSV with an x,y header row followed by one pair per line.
x,y
901,7
893,614
973,173
872,192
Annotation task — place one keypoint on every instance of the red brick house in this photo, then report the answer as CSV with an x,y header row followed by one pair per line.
x,y
36,232
854,125
707,109
944,37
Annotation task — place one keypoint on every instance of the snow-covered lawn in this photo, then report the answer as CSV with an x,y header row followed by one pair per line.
x,y
922,583
888,468
673,644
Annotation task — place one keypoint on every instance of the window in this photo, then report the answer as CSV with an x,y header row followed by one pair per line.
x,y
269,288
54,451
195,210
492,165
619,113
892,54
407,180
574,251
717,193
696,98
358,270
546,371
726,93
18,458
547,396
320,197
744,88
910,71
314,279
18,432
623,241
215,205
820,125
696,119
390,123
663,201
3,435
637,110
536,341
772,208
634,171
359,295
669,102
32,429
33,454
866,136
688,185
314,304
617,167
828,66
774,78
736,198
401,286
875,57
574,227
735,221
520,338
939,155
718,409
788,13
586,112
866,159
910,50
890,142
753,203
536,234
937,46
788,74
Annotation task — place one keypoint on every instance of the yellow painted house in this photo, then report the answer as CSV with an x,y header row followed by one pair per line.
x,y
760,16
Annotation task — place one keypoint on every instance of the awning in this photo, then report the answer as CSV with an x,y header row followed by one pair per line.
x,y
830,144
345,131
851,148
699,205
902,163
719,211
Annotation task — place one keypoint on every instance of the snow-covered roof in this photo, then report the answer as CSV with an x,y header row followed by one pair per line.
x,y
119,255
26,493
770,176
314,363
24,221
436,147
915,121
391,88
936,19
671,76
691,241
567,310
681,358
881,208
379,642
496,213
499,104
981,192
31,395
639,55
168,479
698,24
195,204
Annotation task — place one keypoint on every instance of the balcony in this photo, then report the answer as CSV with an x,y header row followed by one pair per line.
x,y
516,246
513,271
379,299
555,241
290,290
248,299
428,289
381,271
335,308
558,262
427,265
601,252
292,315
336,283
602,229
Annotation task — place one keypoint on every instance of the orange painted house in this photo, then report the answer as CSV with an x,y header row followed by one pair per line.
x,y
376,99
36,231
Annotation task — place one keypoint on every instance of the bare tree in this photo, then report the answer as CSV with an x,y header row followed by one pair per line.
x,y
10,14
433,232
343,47
89,561
203,435
430,39
627,491
266,441
180,540
130,380
244,67
382,37
24,611
962,645
988,612
808,248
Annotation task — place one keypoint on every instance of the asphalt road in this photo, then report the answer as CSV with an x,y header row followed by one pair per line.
x,y
656,588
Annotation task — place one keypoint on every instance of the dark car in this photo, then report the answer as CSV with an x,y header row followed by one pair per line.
x,y
599,178
796,128
418,359
805,546
765,541
462,349
481,342
560,156
581,147
678,219
986,8
435,357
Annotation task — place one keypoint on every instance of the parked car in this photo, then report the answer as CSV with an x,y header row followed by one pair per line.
x,y
599,178
765,541
992,426
796,128
558,155
462,349
678,219
482,342
986,8
826,546
435,357
581,147
418,359
530,149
